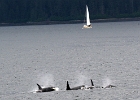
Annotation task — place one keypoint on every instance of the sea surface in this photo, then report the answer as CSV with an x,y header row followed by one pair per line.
x,y
50,55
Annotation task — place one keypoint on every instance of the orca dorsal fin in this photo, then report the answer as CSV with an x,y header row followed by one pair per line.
x,y
39,87
68,87
92,82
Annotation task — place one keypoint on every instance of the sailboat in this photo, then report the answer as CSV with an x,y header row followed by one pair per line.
x,y
88,24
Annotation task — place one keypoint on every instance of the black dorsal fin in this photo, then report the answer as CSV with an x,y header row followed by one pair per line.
x,y
92,82
39,87
68,87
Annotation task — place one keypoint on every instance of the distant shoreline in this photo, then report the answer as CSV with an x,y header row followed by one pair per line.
x,y
70,22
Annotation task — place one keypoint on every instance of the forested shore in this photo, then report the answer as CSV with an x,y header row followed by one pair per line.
x,y
66,11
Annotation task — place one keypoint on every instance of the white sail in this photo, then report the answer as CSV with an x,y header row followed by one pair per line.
x,y
88,24
87,16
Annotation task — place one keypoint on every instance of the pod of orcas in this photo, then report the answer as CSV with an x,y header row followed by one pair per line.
x,y
81,87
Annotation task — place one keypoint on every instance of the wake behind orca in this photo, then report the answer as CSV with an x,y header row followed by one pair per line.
x,y
46,89
81,87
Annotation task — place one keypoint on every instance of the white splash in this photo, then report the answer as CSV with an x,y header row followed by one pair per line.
x,y
46,80
56,89
106,81
81,79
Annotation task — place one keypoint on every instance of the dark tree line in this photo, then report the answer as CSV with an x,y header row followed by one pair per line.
x,y
62,10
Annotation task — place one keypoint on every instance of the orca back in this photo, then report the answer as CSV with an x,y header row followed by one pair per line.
x,y
78,87
110,86
48,89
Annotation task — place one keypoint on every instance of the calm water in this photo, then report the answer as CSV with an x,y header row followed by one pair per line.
x,y
53,54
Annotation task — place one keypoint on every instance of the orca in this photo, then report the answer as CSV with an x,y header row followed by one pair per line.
x,y
81,87
92,85
46,89
109,86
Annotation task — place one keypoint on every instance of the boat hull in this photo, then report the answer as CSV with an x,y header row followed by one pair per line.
x,y
87,26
